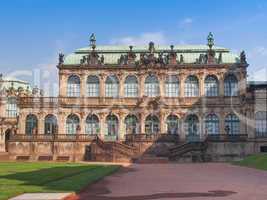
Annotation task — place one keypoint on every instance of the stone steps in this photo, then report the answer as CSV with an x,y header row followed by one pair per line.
x,y
151,159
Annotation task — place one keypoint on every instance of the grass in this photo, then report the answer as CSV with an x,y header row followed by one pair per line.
x,y
17,178
258,161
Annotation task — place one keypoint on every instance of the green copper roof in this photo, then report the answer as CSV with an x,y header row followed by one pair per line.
x,y
113,52
8,82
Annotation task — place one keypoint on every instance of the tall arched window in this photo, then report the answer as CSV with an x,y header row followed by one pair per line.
x,y
261,123
152,124
192,125
131,123
232,122
131,86
172,124
191,86
230,86
151,86
11,107
112,125
212,124
211,86
31,124
172,86
92,86
72,124
112,86
92,125
73,86
50,124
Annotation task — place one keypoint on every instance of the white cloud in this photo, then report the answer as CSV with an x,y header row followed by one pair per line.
x,y
185,22
143,39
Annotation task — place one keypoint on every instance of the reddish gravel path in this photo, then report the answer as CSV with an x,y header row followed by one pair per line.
x,y
180,181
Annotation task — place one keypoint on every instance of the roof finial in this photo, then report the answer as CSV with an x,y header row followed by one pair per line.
x,y
210,40
151,47
92,40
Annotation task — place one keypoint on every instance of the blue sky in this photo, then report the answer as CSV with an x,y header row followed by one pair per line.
x,y
33,32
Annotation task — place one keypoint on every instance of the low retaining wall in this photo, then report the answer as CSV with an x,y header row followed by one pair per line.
x,y
80,151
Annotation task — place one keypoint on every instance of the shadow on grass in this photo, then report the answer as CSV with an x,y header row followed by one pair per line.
x,y
61,178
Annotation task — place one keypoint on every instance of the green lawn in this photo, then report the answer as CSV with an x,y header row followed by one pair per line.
x,y
255,161
17,178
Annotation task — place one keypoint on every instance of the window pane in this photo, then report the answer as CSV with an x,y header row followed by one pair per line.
x,y
73,86
232,122
230,86
211,86
151,86
11,107
92,86
112,86
191,87
212,124
72,124
92,125
172,87
131,87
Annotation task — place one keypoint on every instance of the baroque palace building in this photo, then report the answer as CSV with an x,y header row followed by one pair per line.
x,y
123,102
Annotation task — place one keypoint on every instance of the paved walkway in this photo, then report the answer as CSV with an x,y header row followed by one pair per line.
x,y
182,182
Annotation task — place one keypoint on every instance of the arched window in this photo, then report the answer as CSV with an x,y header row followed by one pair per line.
x,y
212,124
131,123
73,86
72,124
50,125
112,125
92,86
230,86
92,125
172,124
11,107
192,125
261,123
211,86
172,86
232,123
152,124
112,86
191,86
31,124
151,86
131,86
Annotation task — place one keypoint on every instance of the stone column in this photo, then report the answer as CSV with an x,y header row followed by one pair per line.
x,y
201,85
41,119
122,130
142,123
141,85
102,85
250,124
182,131
163,129
161,84
182,78
21,123
102,125
221,84
61,122
62,84
121,86
83,78
82,122
221,120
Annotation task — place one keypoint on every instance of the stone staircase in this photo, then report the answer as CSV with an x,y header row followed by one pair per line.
x,y
150,159
112,151
190,151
